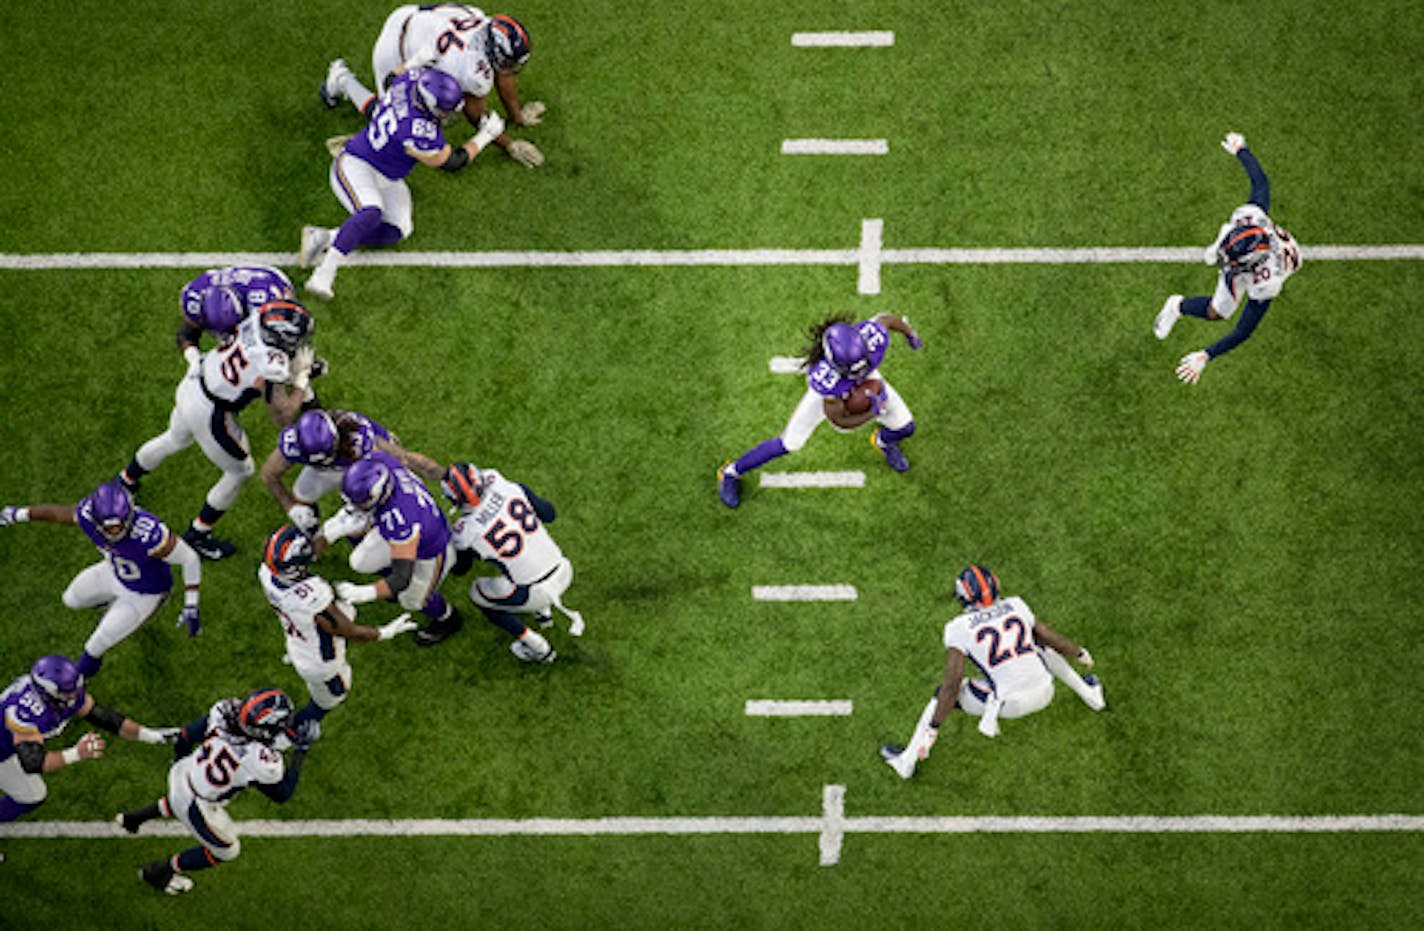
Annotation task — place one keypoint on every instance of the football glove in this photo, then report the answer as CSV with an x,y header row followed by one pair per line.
x,y
190,618
1233,143
159,735
878,401
1085,658
355,594
303,517
913,337
335,144
10,514
395,628
491,126
532,113
306,733
1190,368
526,153
344,523
302,361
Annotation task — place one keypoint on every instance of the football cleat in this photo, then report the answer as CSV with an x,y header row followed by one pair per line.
x,y
437,631
1097,702
128,821
161,876
896,758
729,487
206,546
894,456
530,655
330,90
319,286
315,241
1167,317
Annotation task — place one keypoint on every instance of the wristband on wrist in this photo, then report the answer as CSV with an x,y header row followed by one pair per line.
x,y
22,515
71,756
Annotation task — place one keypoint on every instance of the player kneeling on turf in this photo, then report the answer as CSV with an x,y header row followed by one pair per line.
x,y
316,623
237,745
1018,655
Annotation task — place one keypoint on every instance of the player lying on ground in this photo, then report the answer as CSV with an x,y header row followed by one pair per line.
x,y
133,579
843,386
1255,257
237,745
1018,657
38,706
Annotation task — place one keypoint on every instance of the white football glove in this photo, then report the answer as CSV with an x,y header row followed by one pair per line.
x,y
1085,658
10,514
303,517
1210,255
335,144
344,523
532,113
1190,368
355,594
159,735
1233,143
526,153
302,361
400,625
490,127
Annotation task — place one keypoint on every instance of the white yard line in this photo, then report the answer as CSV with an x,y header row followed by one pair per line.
x,y
869,39
831,827
852,479
804,593
663,258
835,147
779,708
784,365
872,233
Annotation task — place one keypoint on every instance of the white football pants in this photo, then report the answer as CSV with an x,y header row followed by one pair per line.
x,y
128,609
196,419
812,410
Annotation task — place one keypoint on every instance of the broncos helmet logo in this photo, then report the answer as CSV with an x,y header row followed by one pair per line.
x,y
285,325
1245,247
507,43
265,714
288,554
976,587
462,485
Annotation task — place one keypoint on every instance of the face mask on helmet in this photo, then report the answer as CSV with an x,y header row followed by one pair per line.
x,y
367,484
58,681
462,485
112,510
286,325
288,554
844,348
507,45
1245,247
317,437
265,715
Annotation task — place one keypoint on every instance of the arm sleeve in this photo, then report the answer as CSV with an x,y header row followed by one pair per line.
x,y
279,792
402,570
464,561
183,556
1260,187
542,506
1251,315
107,718
189,737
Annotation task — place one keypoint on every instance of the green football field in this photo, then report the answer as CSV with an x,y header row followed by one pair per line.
x,y
1241,556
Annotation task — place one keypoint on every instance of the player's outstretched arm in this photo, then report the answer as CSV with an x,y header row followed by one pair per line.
x,y
274,467
1251,316
418,463
1235,143
898,324
126,727
45,513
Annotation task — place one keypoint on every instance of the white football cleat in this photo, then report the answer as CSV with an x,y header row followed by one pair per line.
x,y
1167,317
1094,699
897,759
530,655
336,74
319,285
315,241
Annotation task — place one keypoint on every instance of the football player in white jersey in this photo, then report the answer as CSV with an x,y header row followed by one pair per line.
x,y
502,522
317,625
481,52
1255,257
237,745
260,361
1018,657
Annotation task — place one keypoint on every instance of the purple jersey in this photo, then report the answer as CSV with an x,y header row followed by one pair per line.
x,y
397,130
357,435
25,711
255,285
826,381
132,558
411,509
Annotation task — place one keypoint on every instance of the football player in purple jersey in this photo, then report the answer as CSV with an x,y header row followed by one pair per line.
x,y
840,356
38,706
326,443
368,174
134,577
408,542
220,298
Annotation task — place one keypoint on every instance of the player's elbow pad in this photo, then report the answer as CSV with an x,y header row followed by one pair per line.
x,y
31,756
458,159
402,570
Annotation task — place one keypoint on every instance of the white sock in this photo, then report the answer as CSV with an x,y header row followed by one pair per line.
x,y
1066,674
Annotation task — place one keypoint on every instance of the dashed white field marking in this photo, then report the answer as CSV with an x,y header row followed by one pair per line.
x,y
831,827
852,479
871,235
784,365
688,258
777,708
804,593
835,147
868,39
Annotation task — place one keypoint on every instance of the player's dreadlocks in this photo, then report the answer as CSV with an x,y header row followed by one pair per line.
x,y
348,431
811,354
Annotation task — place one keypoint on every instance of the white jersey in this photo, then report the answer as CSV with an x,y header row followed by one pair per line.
x,y
505,530
235,373
1265,280
451,37
999,639
297,604
223,765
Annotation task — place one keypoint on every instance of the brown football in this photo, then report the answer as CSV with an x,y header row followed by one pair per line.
x,y
858,401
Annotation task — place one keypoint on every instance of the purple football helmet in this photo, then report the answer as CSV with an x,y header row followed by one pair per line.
x,y
367,484
506,43
58,681
317,437
220,311
844,348
112,510
439,94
